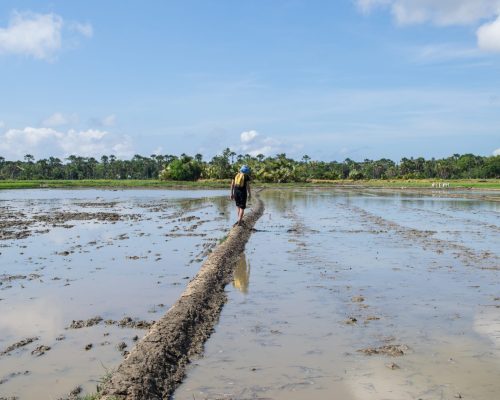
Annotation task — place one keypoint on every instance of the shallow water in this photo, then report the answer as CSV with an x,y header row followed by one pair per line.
x,y
329,273
133,265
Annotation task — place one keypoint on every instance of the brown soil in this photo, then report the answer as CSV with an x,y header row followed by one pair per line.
x,y
393,350
40,350
128,322
125,322
78,324
17,225
18,345
156,366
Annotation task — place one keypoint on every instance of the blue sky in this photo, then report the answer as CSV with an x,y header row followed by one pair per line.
x,y
350,78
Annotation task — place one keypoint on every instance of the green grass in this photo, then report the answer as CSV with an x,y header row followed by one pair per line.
x,y
111,183
222,239
414,183
102,381
224,184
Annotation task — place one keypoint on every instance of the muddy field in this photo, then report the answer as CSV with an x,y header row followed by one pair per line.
x,y
358,295
84,273
348,294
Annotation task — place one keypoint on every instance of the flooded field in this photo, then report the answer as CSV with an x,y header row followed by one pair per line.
x,y
344,294
84,273
357,295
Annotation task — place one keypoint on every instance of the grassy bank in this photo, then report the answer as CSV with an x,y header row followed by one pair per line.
x,y
224,184
110,183
417,183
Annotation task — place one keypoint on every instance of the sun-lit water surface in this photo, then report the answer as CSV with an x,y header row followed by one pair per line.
x,y
134,267
416,271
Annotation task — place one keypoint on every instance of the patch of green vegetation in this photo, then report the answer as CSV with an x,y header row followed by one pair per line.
x,y
112,183
102,381
392,183
223,239
224,183
427,183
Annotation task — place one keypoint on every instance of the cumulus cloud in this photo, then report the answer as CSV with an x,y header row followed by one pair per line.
x,y
59,119
253,143
496,152
248,136
442,12
446,13
36,35
488,36
45,142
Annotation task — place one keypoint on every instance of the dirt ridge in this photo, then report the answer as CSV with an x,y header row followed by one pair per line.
x,y
156,366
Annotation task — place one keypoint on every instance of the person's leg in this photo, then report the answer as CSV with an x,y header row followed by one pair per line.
x,y
241,201
241,211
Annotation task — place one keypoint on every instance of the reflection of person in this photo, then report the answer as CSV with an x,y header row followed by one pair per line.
x,y
241,275
240,191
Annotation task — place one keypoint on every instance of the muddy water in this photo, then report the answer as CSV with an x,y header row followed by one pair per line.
x,y
331,278
71,255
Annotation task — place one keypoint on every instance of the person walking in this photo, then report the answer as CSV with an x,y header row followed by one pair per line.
x,y
240,191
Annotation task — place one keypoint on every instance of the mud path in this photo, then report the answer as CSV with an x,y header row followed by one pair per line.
x,y
156,366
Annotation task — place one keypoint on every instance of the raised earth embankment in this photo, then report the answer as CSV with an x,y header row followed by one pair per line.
x,y
157,364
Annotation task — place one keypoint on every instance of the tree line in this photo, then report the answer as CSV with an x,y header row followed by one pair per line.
x,y
278,168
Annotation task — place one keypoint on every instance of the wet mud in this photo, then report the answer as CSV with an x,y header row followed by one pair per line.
x,y
361,295
157,364
18,345
349,294
86,273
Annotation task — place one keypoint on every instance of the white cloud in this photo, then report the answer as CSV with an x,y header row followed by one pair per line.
x,y
254,144
248,136
488,36
2,124
123,148
36,35
56,119
439,12
46,142
59,119
496,152
446,13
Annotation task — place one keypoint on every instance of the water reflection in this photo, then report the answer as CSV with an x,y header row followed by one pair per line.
x,y
222,204
241,275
